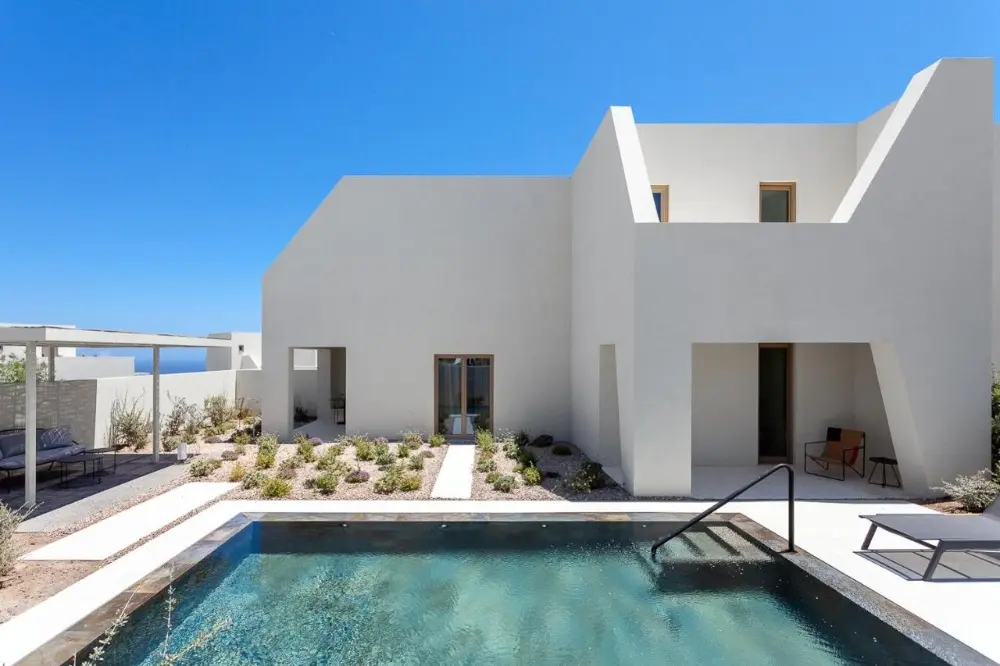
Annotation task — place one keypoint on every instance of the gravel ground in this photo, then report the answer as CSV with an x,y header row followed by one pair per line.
x,y
551,488
433,458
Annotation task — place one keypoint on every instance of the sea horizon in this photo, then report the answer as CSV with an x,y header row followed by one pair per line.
x,y
171,366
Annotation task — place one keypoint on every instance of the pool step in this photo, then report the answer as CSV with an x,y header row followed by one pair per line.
x,y
713,543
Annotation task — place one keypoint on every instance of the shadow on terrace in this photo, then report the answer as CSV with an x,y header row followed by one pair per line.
x,y
78,493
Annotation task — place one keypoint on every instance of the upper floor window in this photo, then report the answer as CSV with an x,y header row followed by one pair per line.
x,y
241,349
661,199
777,202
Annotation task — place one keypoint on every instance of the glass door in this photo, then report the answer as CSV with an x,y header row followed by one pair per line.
x,y
463,394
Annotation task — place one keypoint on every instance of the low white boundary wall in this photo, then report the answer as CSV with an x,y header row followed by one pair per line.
x,y
85,404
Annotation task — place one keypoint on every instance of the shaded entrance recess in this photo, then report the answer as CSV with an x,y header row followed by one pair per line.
x,y
774,402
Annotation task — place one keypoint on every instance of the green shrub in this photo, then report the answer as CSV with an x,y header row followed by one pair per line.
x,y
217,409
326,483
10,520
202,467
505,484
531,476
267,451
973,492
492,477
237,473
413,439
403,449
562,450
410,482
416,463
305,451
356,476
525,458
241,438
589,477
384,459
288,468
171,443
381,448
521,439
364,450
329,462
265,459
510,450
274,487
485,441
390,481
486,465
437,440
230,455
129,425
254,479
240,448
336,450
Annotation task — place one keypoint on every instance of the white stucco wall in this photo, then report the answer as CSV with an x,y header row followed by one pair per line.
x,y
714,171
398,269
93,367
192,386
604,209
879,278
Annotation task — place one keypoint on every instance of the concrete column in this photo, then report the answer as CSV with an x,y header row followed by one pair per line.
x,y
30,402
324,412
52,363
156,404
660,461
277,400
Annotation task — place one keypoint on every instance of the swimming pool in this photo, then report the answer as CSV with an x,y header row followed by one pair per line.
x,y
534,589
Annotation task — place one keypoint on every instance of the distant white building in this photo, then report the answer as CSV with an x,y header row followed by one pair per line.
x,y
631,308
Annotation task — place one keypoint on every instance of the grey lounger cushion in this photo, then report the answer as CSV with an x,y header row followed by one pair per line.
x,y
940,527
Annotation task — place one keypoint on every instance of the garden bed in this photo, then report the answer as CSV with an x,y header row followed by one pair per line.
x,y
557,463
355,468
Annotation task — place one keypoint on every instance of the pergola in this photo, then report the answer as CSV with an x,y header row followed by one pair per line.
x,y
53,337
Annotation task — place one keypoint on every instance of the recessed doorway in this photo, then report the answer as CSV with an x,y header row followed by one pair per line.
x,y
774,403
463,394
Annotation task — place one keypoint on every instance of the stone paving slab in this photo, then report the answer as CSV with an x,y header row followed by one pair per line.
x,y
111,535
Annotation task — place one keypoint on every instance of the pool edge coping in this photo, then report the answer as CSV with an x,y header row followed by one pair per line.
x,y
62,647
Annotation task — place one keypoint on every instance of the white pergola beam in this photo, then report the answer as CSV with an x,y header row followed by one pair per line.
x,y
30,400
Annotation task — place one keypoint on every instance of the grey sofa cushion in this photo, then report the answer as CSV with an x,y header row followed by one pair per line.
x,y
12,445
54,438
43,457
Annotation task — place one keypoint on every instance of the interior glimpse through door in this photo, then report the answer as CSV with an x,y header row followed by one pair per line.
x,y
463,394
774,403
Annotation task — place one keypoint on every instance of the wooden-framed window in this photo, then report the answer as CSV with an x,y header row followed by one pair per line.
x,y
777,202
661,199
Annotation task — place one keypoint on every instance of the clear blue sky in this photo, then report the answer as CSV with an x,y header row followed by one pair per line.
x,y
156,156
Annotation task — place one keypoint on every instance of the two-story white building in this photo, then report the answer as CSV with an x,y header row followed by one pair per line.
x,y
691,295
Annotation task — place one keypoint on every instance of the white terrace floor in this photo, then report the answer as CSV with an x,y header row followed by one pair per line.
x,y
829,530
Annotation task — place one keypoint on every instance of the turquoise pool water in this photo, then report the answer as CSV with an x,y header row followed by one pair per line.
x,y
506,593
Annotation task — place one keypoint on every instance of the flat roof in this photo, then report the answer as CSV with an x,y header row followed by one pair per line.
x,y
65,336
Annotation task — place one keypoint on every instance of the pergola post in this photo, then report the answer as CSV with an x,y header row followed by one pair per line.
x,y
156,404
30,400
52,363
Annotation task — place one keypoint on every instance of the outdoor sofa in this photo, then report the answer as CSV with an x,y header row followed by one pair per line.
x,y
51,445
952,532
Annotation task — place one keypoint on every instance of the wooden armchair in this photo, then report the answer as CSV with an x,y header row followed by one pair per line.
x,y
841,449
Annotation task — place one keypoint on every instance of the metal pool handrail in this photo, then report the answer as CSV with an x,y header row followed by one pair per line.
x,y
718,505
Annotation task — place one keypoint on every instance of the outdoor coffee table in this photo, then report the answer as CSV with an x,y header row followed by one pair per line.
x,y
95,462
114,457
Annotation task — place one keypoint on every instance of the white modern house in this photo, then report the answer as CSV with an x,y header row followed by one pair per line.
x,y
691,295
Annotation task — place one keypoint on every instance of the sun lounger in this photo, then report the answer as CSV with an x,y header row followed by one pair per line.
x,y
951,532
